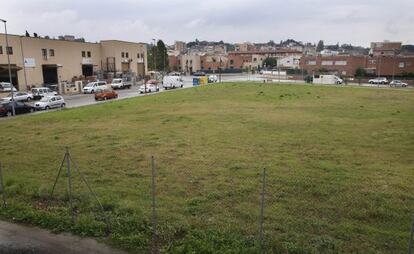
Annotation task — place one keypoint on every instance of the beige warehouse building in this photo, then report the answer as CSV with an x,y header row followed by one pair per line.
x,y
38,61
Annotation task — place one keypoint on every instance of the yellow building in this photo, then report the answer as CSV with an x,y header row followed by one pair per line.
x,y
38,61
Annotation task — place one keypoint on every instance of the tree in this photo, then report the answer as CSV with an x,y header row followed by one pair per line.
x,y
161,56
150,57
320,46
323,70
360,73
270,62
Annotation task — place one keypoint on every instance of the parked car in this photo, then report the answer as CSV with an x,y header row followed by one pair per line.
x,y
199,74
19,108
172,82
149,88
104,94
40,92
19,96
50,102
92,87
6,87
212,79
398,83
118,83
378,81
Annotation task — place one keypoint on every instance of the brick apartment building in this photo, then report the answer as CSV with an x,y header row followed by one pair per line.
x,y
385,48
346,65
254,59
212,63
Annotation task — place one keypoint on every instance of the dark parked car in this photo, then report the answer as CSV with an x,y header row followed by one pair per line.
x,y
199,74
19,108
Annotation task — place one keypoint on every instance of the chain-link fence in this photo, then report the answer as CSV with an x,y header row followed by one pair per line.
x,y
214,208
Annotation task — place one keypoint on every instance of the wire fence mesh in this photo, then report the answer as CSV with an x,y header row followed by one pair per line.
x,y
162,210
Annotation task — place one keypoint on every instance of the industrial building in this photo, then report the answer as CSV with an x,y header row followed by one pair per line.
x,y
39,61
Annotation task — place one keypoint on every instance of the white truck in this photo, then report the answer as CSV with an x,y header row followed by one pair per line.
x,y
119,83
172,82
327,79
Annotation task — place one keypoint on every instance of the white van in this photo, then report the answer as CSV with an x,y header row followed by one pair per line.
x,y
92,87
171,82
40,92
327,79
6,87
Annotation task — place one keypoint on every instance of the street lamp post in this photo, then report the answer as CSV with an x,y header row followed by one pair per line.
x,y
393,66
8,62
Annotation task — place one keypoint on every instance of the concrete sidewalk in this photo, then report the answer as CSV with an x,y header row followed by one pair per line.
x,y
23,239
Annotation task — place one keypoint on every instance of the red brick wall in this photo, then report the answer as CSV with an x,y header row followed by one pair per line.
x,y
352,63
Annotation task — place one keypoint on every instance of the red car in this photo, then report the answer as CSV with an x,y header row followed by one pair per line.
x,y
105,94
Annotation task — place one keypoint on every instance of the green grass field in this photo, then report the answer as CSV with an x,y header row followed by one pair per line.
x,y
339,161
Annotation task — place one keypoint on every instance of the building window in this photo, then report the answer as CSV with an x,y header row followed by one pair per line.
x,y
231,61
44,53
341,62
1,50
372,61
89,54
83,54
51,52
138,55
126,55
327,63
401,65
9,50
122,54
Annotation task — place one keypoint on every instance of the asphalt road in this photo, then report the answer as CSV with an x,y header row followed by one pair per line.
x,y
23,239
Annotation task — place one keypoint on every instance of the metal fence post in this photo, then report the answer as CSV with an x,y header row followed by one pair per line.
x,y
154,248
410,245
2,188
70,185
262,200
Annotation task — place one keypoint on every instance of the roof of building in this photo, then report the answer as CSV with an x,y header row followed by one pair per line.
x,y
259,52
71,41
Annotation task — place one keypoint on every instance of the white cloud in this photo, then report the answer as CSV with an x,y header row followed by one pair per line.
x,y
351,21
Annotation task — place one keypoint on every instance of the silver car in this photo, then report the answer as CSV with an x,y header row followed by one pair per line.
x,y
19,96
398,83
50,102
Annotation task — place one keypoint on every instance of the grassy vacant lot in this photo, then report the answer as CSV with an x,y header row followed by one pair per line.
x,y
339,160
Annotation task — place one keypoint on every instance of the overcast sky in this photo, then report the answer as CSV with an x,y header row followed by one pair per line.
x,y
345,21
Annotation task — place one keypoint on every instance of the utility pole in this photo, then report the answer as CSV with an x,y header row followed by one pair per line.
x,y
393,66
261,218
8,62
